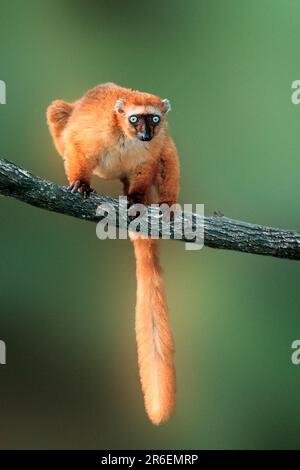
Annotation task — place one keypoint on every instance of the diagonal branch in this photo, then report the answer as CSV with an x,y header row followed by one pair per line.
x,y
219,231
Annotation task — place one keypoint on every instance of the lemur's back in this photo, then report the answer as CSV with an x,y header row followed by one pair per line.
x,y
91,124
100,99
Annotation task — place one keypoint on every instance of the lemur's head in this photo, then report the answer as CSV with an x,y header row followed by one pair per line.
x,y
141,115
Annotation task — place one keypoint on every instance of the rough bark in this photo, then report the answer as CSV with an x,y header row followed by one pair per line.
x,y
219,231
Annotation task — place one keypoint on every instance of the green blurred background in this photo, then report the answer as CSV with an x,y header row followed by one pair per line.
x,y
67,299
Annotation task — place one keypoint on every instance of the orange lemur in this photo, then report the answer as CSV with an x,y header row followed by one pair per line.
x,y
120,133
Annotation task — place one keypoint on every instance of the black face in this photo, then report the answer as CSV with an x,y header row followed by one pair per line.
x,y
144,125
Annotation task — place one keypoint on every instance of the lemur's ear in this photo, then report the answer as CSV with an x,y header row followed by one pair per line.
x,y
167,105
119,106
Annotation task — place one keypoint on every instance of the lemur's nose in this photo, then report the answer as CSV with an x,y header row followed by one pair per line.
x,y
146,137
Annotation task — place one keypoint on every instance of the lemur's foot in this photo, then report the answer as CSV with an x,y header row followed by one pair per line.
x,y
169,210
137,204
84,189
136,198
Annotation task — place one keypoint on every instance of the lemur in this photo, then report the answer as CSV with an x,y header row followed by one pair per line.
x,y
120,133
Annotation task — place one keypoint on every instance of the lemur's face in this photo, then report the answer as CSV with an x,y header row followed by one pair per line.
x,y
142,122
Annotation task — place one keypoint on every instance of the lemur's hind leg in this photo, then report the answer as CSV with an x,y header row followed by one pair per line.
x,y
138,183
137,186
167,182
167,175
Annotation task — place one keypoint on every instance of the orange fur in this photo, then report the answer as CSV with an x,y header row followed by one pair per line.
x,y
57,116
154,338
94,136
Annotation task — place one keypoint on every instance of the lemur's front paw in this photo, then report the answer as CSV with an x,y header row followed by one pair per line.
x,y
84,189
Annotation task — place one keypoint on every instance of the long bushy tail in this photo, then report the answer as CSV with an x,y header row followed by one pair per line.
x,y
153,334
58,114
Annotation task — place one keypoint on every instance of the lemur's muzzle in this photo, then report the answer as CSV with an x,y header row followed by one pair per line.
x,y
146,132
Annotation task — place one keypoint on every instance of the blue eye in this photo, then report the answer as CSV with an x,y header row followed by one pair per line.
x,y
133,119
155,119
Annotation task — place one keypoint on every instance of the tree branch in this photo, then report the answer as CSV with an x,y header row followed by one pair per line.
x,y
219,231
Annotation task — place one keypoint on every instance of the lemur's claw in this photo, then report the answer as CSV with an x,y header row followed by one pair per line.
x,y
84,189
